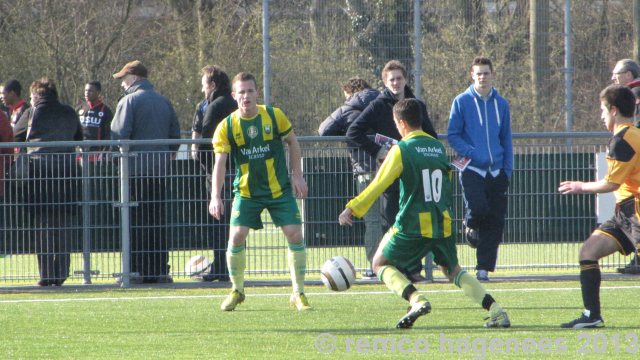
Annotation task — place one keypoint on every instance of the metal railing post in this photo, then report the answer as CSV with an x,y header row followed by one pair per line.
x,y
86,219
125,211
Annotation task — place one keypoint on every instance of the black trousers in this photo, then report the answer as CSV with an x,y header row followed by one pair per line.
x,y
220,228
149,243
56,232
485,200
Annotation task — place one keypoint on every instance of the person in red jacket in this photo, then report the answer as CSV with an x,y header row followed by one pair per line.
x,y
11,91
6,154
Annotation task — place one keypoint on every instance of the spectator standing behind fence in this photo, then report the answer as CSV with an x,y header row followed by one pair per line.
x,y
358,95
253,136
217,104
144,114
480,130
419,162
621,232
11,92
377,118
48,179
6,154
95,117
3,107
627,72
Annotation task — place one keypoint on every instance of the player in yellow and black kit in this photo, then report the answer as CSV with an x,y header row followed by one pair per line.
x,y
622,232
423,223
253,135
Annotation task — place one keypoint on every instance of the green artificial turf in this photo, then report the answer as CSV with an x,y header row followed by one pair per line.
x,y
359,323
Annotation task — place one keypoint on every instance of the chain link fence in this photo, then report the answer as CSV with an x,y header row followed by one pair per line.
x,y
88,215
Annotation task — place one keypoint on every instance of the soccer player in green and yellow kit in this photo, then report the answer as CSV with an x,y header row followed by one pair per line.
x,y
423,223
253,136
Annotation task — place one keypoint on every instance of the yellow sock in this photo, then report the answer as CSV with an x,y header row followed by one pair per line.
x,y
471,286
297,258
237,262
394,279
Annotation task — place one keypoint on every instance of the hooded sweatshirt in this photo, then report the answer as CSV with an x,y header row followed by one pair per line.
x,y
338,122
481,130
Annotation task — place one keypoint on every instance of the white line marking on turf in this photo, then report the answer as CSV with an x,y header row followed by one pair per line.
x,y
352,293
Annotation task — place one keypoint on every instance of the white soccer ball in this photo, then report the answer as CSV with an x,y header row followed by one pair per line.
x,y
338,274
196,265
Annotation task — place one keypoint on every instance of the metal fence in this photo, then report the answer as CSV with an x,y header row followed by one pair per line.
x,y
82,208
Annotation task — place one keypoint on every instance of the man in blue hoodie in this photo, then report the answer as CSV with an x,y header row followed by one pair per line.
x,y
480,130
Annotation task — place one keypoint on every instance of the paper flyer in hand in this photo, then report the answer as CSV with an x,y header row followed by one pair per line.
x,y
461,163
385,141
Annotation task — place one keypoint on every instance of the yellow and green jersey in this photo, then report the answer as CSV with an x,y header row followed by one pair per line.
x,y
255,145
426,192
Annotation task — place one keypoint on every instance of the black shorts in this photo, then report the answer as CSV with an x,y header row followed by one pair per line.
x,y
624,226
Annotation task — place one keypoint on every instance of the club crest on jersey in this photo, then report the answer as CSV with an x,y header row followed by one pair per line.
x,y
252,131
81,111
267,129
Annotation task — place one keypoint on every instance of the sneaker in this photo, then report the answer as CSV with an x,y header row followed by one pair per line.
x,y
585,321
417,278
234,299
45,283
369,274
482,275
633,267
164,279
415,311
472,236
300,302
211,278
498,318
132,280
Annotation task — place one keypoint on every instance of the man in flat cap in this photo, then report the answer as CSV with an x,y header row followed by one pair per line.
x,y
144,114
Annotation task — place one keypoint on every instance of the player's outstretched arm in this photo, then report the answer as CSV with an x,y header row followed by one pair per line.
x,y
579,187
345,217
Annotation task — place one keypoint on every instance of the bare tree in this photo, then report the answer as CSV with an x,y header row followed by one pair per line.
x,y
539,53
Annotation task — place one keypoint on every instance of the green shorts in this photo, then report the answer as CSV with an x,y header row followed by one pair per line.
x,y
283,210
403,252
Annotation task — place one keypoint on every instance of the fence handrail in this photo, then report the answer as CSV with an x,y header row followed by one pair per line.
x,y
84,143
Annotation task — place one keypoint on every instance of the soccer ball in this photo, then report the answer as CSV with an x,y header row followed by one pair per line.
x,y
338,274
196,265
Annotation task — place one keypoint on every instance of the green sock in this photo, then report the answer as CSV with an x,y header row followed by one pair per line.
x,y
397,282
297,258
237,262
471,286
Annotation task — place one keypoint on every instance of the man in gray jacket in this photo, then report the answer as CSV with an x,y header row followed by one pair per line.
x,y
144,114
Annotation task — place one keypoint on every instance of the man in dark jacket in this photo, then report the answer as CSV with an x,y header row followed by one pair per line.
x,y
144,114
50,187
359,94
378,118
217,105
